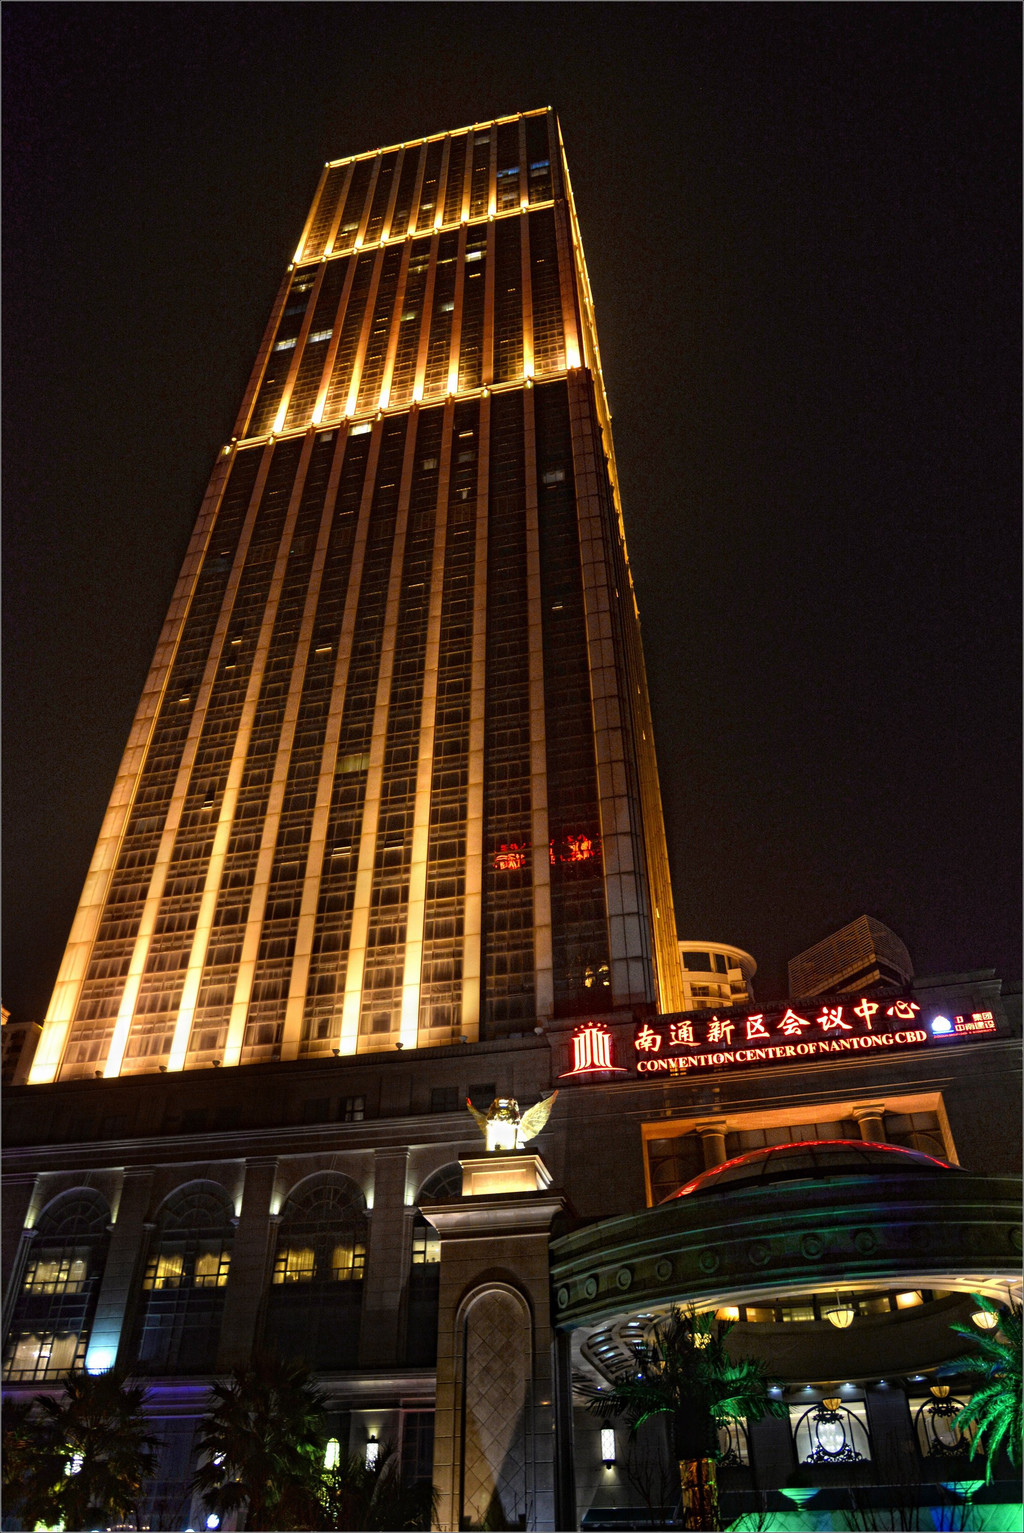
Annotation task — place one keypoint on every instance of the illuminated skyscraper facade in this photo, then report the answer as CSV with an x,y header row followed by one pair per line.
x,y
392,778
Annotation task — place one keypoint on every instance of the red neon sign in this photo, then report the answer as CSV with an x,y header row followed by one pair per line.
x,y
697,1041
592,1050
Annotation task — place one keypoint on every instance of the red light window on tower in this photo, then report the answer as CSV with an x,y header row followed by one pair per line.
x,y
574,848
509,857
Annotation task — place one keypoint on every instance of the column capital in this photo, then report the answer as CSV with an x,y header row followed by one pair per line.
x,y
711,1126
868,1110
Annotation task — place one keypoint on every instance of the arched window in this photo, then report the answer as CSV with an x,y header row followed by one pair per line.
x,y
421,1311
54,1311
182,1299
316,1288
445,1183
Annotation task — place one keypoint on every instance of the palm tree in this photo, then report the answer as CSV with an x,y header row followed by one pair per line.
x,y
372,1497
82,1458
994,1408
262,1441
683,1371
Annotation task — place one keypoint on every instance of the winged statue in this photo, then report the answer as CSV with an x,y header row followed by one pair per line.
x,y
505,1128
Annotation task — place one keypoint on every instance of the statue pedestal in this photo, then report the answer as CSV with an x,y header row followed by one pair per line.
x,y
494,1424
504,1171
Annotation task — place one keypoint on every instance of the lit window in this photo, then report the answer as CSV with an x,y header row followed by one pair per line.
x,y
284,345
446,308
353,1109
474,255
361,430
356,763
295,1265
320,335
163,1272
554,476
426,1246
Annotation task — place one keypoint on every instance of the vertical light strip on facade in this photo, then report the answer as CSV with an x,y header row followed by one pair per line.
x,y
229,798
472,970
301,253
396,323
329,761
140,951
410,1013
372,800
364,334
334,342
81,941
540,830
332,233
298,353
425,315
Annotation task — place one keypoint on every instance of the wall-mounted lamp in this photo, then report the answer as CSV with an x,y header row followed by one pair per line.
x,y
332,1454
372,1451
608,1446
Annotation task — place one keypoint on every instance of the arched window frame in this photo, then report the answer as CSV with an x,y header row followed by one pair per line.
x,y
53,1315
322,1233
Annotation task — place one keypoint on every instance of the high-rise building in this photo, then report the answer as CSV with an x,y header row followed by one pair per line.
x,y
863,955
392,778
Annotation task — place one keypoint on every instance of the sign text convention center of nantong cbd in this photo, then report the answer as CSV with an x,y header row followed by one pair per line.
x,y
387,836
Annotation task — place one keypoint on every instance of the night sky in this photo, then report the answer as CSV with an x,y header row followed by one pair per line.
x,y
801,224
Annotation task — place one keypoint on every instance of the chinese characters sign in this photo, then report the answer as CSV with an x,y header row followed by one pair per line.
x,y
675,1045
574,847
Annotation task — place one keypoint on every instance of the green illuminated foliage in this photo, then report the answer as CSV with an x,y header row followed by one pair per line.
x,y
683,1371
994,1409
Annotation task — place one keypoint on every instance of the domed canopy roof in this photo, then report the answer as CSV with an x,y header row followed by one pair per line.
x,y
812,1158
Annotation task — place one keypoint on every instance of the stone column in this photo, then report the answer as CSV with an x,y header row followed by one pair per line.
x,y
712,1136
128,1245
388,1258
250,1261
494,1442
870,1117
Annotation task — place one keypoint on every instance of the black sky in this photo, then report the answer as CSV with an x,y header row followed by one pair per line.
x,y
801,224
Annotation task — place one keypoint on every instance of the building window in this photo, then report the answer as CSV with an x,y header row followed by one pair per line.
x,y
183,1284
315,1298
54,1311
445,1099
353,1109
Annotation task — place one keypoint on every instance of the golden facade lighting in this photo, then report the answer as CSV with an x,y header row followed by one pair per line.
x,y
289,867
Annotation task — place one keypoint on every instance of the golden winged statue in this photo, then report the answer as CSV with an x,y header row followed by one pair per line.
x,y
504,1128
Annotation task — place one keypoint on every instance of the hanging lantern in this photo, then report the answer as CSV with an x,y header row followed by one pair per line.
x,y
841,1316
985,1319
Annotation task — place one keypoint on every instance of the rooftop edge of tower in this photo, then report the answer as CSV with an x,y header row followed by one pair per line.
x,y
431,138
